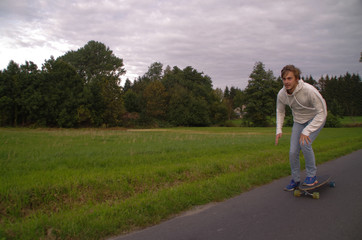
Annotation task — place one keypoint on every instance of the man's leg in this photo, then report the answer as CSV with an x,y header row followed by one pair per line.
x,y
310,165
295,150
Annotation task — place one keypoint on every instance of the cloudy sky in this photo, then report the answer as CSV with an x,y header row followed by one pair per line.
x,y
222,38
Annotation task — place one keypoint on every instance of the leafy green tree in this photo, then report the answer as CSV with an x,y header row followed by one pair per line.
x,y
147,95
127,85
233,98
219,111
187,110
179,110
233,92
226,92
167,70
95,59
5,101
10,94
132,102
155,97
218,94
113,100
191,94
260,96
198,83
101,71
62,93
239,99
228,102
154,71
31,95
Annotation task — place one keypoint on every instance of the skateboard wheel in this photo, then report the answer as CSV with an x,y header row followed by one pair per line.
x,y
297,193
332,184
316,195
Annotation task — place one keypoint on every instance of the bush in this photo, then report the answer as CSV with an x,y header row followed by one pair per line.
x,y
332,121
288,121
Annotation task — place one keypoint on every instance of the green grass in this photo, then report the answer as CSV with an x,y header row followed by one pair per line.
x,y
351,121
93,183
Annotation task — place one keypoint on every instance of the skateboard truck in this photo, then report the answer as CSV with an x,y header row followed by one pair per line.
x,y
306,190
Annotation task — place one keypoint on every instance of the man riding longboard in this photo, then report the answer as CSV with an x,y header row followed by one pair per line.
x,y
309,116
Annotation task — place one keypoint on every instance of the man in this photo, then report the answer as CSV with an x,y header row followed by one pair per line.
x,y
309,115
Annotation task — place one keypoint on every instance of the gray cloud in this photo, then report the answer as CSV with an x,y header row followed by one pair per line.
x,y
223,39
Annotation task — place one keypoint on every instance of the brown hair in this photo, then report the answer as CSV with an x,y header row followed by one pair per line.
x,y
291,68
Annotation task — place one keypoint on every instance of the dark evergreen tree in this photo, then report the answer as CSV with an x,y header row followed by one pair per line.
x,y
260,96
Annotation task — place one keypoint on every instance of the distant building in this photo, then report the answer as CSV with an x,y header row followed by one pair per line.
x,y
239,112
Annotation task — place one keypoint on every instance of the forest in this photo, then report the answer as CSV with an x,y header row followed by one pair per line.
x,y
83,88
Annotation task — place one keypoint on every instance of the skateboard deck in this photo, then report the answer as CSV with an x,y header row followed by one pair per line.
x,y
322,181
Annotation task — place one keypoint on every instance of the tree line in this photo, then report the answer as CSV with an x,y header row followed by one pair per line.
x,y
82,89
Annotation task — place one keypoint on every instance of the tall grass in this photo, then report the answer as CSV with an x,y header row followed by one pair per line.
x,y
92,183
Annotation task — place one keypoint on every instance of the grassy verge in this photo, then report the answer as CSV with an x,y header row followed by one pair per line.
x,y
91,183
352,121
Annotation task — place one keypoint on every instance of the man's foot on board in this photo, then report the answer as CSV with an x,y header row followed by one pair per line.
x,y
310,181
292,186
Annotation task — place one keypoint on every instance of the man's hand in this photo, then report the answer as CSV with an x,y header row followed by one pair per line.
x,y
304,139
277,138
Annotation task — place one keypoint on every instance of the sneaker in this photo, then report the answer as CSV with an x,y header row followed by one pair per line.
x,y
310,181
292,185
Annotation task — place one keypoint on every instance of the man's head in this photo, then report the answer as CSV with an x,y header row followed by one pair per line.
x,y
291,68
290,77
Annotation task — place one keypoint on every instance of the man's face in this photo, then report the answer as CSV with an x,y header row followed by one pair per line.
x,y
290,82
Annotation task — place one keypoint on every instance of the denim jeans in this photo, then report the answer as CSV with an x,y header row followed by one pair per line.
x,y
295,147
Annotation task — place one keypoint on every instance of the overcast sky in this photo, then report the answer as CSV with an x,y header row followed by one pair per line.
x,y
222,38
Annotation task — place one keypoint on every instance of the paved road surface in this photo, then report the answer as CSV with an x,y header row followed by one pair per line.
x,y
268,212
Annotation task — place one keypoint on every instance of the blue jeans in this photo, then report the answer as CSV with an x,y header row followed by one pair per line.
x,y
295,147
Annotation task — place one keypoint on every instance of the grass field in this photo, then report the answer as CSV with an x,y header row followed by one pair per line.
x,y
93,183
351,121
346,121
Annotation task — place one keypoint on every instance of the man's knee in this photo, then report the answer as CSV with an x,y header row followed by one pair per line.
x,y
306,147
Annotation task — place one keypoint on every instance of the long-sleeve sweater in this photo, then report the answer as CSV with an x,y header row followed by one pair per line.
x,y
306,103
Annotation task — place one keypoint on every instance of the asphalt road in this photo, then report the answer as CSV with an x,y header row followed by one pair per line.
x,y
268,212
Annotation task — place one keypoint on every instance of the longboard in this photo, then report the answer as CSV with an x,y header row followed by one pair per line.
x,y
322,181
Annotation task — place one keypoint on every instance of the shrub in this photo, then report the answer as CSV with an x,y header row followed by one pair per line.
x,y
332,121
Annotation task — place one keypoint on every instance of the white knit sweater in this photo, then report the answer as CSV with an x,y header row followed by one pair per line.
x,y
306,103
